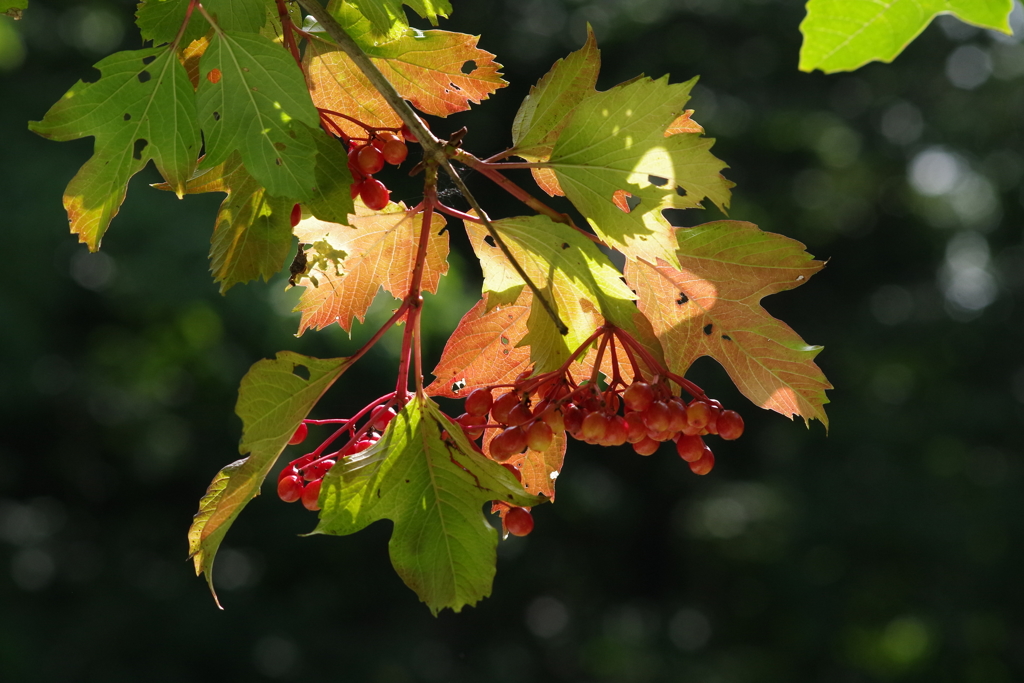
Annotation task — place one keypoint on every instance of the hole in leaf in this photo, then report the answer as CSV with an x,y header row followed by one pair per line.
x,y
565,245
216,116
708,328
726,337
92,76
144,76
213,75
140,145
301,371
127,116
146,61
657,180
682,299
489,240
469,67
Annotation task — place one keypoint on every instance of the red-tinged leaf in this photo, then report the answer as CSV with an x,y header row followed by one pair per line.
x,y
538,470
350,263
273,399
711,307
483,350
549,106
335,83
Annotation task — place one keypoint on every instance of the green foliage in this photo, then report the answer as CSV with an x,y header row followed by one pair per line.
x,y
843,35
425,477
273,399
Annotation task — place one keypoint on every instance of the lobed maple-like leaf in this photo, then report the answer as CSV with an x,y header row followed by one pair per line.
x,y
843,35
712,307
252,98
273,399
253,232
581,283
350,263
426,68
484,349
141,108
425,477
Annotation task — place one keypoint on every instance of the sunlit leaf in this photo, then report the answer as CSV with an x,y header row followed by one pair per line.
x,y
350,263
273,399
425,477
843,35
160,21
141,108
712,307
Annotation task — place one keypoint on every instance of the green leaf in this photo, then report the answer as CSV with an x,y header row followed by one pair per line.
x,y
712,307
253,233
582,284
273,399
550,104
615,143
425,477
142,108
240,15
160,21
331,200
843,35
387,16
252,98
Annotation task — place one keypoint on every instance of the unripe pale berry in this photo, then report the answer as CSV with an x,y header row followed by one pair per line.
x,y
539,436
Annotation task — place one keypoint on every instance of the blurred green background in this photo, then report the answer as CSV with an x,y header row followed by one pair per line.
x,y
888,550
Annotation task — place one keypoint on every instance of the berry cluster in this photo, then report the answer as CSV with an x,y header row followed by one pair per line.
x,y
368,156
302,478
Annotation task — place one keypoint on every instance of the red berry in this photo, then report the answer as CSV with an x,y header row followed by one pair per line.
x,y
519,521
616,432
704,464
690,447
510,442
479,402
677,415
289,488
730,425
520,414
657,417
647,446
501,408
381,417
296,215
374,194
300,434
311,495
539,436
395,152
407,134
595,426
370,160
638,396
514,470
473,425
636,430
698,413
356,188
611,402
572,418
552,416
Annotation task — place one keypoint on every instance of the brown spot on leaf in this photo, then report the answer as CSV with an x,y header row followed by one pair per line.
x,y
127,116
280,146
565,245
278,161
213,75
216,116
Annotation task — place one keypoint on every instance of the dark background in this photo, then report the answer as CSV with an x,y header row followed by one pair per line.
x,y
888,550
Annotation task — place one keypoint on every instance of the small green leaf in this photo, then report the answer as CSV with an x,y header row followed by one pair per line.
x,y
843,35
388,16
160,21
273,399
142,108
252,98
425,477
616,142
